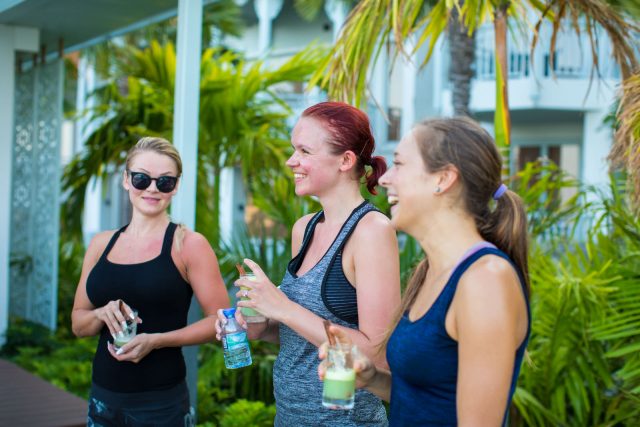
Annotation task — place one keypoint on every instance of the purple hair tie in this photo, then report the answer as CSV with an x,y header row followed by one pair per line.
x,y
499,192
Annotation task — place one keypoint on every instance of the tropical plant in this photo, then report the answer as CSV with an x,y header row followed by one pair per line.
x,y
219,387
250,414
221,17
582,366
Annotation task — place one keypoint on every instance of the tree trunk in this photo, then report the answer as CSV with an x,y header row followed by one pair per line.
x,y
462,54
503,118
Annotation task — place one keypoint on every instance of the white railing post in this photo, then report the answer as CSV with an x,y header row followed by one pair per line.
x,y
185,138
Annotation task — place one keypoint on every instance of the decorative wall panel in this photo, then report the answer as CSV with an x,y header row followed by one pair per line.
x,y
35,194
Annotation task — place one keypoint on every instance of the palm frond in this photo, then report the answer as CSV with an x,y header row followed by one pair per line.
x,y
308,9
625,152
586,17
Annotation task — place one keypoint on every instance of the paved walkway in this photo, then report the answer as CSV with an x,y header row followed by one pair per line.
x,y
28,401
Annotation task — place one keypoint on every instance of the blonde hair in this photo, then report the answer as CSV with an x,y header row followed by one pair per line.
x,y
156,145
161,146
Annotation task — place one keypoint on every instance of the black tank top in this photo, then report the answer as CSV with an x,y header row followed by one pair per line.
x,y
338,294
157,290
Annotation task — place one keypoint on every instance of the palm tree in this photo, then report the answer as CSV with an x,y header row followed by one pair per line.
x,y
242,120
345,71
461,51
461,57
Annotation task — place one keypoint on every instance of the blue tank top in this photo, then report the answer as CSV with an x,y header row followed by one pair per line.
x,y
424,359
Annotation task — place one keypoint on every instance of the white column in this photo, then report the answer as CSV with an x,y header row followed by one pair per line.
x,y
377,103
185,138
231,200
267,11
596,143
409,73
337,11
11,39
92,212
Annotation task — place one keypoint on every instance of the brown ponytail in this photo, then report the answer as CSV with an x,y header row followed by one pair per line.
x,y
378,168
506,227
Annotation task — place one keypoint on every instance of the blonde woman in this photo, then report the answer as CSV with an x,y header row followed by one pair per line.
x,y
153,266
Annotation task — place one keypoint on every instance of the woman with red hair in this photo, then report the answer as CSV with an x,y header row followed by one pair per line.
x,y
345,268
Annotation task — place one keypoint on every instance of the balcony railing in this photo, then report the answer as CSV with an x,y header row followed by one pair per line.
x,y
572,58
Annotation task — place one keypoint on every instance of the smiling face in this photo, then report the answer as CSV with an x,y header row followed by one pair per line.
x,y
150,201
314,167
410,188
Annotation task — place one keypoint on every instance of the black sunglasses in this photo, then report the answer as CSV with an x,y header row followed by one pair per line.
x,y
141,181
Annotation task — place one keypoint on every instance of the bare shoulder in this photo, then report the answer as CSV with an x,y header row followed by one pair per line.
x,y
96,247
300,225
100,241
193,242
490,278
373,226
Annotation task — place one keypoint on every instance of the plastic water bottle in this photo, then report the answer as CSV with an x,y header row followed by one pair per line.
x,y
237,353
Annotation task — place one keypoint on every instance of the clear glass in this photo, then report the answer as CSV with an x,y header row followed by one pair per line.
x,y
250,315
129,330
340,379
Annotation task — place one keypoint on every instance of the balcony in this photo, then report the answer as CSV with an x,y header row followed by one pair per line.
x,y
539,83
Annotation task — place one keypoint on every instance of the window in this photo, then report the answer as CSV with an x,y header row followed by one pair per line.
x,y
395,120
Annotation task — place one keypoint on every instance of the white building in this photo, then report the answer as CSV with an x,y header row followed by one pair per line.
x,y
555,113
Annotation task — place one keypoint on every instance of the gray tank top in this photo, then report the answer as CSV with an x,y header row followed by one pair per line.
x,y
297,389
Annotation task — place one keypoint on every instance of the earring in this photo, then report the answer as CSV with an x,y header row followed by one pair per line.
x,y
438,189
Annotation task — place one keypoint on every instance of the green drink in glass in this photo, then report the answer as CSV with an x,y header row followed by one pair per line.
x,y
340,379
250,315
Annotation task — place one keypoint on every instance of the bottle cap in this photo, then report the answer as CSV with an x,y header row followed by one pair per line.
x,y
229,312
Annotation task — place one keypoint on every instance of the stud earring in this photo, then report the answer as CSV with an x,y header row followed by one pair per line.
x,y
438,189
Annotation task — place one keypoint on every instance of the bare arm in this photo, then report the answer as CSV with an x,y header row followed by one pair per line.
x,y
490,322
86,319
377,285
204,276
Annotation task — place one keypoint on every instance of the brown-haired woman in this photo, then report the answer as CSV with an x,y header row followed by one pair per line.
x,y
153,266
462,328
345,268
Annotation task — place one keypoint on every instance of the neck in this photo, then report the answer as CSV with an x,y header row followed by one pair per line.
x,y
142,225
339,203
445,237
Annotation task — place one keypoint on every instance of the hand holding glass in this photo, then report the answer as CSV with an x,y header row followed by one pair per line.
x,y
250,315
340,378
128,332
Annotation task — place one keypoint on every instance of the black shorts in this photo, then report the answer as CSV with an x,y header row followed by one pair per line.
x,y
166,408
